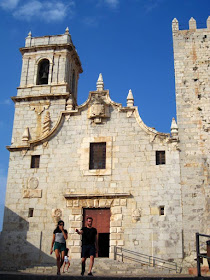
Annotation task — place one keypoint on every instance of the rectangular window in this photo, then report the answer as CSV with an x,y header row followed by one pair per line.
x,y
161,211
160,157
97,156
35,161
30,212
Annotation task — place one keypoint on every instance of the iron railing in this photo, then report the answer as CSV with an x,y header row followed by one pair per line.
x,y
200,256
144,259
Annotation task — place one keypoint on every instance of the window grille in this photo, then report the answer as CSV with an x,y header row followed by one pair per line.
x,y
160,157
35,160
97,156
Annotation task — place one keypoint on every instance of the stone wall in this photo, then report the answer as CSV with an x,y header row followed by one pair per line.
x,y
192,73
133,186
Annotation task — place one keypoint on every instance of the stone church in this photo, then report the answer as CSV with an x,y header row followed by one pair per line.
x,y
147,191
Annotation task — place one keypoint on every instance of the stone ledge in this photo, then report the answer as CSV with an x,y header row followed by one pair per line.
x,y
106,195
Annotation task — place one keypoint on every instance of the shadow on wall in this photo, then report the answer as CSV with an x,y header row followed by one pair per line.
x,y
19,247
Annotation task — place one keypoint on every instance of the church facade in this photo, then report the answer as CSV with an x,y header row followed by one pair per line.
x,y
146,191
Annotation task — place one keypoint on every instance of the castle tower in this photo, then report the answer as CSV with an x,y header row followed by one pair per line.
x,y
192,76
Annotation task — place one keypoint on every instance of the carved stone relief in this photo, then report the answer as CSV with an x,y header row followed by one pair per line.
x,y
39,108
56,214
136,215
33,183
98,109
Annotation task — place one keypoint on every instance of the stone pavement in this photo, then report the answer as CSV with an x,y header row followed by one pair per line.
x,y
25,276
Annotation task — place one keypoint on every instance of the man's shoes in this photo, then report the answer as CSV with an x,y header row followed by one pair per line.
x,y
90,274
82,273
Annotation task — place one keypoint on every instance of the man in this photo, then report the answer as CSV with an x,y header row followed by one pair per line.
x,y
89,244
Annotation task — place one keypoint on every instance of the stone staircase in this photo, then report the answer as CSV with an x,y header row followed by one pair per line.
x,y
103,267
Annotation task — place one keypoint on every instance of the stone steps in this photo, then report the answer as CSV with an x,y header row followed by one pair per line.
x,y
103,267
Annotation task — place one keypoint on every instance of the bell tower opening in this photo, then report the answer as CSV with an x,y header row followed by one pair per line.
x,y
43,72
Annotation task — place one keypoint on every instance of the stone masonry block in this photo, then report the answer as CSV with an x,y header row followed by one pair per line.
x,y
116,210
116,223
69,203
120,242
75,249
76,224
113,242
115,236
116,202
113,229
123,202
75,236
154,211
76,211
78,217
71,217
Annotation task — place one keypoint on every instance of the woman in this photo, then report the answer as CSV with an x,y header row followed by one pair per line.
x,y
59,241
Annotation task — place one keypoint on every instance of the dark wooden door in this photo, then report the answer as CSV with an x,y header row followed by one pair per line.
x,y
101,221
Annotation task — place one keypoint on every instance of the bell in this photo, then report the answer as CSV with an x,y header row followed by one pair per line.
x,y
44,78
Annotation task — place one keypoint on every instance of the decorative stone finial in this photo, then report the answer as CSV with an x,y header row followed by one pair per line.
x,y
192,23
130,99
175,25
69,104
25,136
100,83
46,123
29,34
174,129
208,23
67,30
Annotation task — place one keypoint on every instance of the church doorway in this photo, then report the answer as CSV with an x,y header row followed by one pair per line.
x,y
101,221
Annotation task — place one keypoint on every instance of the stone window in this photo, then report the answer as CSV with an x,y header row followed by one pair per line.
x,y
43,72
97,156
101,164
30,212
161,211
35,160
160,157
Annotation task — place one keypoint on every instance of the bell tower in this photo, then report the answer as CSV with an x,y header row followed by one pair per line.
x,y
51,65
48,85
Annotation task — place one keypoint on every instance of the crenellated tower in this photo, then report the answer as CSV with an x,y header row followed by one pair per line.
x,y
192,78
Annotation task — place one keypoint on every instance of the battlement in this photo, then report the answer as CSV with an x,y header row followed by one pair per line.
x,y
192,25
48,40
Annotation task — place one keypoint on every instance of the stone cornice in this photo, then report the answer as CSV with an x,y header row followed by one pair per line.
x,y
44,138
38,97
89,196
107,99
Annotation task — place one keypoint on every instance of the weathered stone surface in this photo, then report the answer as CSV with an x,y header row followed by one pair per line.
x,y
32,193
131,185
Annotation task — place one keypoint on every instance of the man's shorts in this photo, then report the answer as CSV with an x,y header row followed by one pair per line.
x,y
60,246
88,250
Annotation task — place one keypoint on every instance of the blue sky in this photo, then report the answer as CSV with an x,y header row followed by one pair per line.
x,y
129,41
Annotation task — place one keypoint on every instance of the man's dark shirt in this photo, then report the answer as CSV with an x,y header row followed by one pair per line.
x,y
89,236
